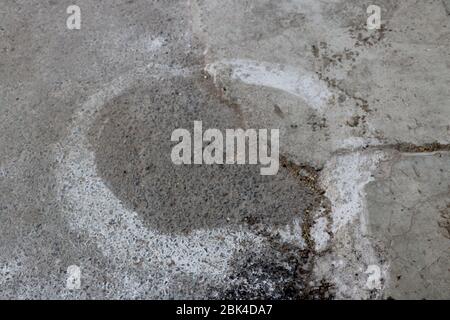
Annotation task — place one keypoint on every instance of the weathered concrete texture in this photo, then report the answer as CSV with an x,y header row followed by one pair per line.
x,y
334,88
359,208
447,6
337,84
409,215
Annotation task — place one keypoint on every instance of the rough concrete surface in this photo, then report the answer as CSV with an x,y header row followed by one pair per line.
x,y
360,208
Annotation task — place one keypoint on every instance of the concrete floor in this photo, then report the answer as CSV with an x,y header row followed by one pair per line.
x,y
360,208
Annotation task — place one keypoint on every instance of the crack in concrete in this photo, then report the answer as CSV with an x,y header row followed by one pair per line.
x,y
402,147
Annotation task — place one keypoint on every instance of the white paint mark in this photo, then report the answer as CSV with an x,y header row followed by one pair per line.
x,y
292,233
73,281
319,234
300,83
344,179
374,278
119,233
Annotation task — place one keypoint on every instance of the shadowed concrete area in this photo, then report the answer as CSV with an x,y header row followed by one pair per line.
x,y
358,210
176,198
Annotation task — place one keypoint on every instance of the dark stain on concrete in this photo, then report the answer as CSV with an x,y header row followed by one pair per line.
x,y
131,140
278,271
281,270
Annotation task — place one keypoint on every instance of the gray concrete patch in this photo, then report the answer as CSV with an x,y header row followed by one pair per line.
x,y
408,206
